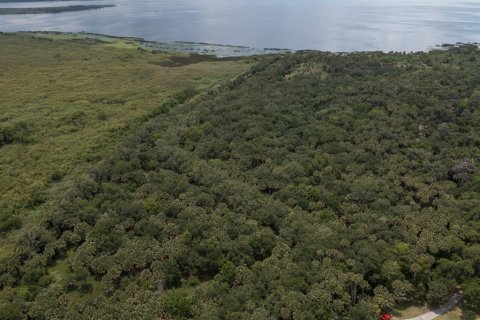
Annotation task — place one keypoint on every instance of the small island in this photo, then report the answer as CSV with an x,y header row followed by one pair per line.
x,y
4,11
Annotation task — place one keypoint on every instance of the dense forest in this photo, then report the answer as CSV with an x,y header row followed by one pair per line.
x,y
315,186
13,1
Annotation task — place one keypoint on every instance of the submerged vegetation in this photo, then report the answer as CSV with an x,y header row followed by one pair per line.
x,y
315,186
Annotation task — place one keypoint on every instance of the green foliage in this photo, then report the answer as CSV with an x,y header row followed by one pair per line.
x,y
11,305
363,311
66,104
315,186
19,132
439,291
8,221
472,294
176,304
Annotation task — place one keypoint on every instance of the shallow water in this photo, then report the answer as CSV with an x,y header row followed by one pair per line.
x,y
340,25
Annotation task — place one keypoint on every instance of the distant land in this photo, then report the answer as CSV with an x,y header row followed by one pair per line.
x,y
4,11
13,1
141,184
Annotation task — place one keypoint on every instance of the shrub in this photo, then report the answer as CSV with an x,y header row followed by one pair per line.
x,y
176,304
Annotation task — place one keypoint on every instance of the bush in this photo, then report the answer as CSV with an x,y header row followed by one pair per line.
x,y
8,222
363,311
20,132
176,304
185,94
472,294
438,292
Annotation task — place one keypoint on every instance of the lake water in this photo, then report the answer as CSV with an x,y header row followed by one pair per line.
x,y
333,25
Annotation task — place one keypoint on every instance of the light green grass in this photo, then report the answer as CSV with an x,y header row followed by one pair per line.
x,y
60,268
5,250
77,100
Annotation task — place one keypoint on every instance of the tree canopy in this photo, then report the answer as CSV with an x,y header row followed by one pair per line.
x,y
317,186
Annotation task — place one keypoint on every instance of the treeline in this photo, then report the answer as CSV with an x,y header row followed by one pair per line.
x,y
321,186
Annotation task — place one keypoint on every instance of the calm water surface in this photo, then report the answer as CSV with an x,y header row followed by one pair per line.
x,y
340,25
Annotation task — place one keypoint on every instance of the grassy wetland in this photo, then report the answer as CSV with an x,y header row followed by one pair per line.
x,y
66,102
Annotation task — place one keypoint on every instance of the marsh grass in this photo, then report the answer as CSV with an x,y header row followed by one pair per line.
x,y
66,102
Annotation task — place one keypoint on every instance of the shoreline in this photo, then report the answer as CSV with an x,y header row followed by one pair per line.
x,y
202,48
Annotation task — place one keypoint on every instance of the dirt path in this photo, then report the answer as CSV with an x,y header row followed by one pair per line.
x,y
454,300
